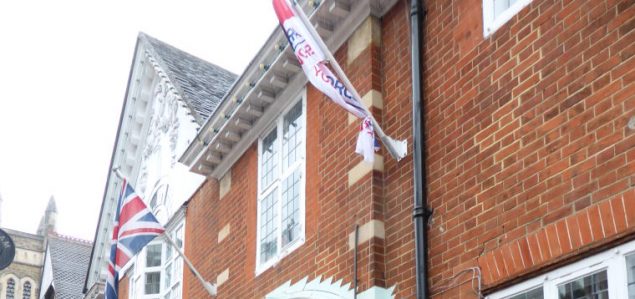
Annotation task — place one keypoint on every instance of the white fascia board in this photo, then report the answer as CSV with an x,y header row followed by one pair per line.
x,y
360,10
104,227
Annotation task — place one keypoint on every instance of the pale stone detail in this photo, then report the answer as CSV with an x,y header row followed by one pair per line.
x,y
327,288
222,277
376,292
225,183
223,233
363,168
368,32
373,98
371,229
28,257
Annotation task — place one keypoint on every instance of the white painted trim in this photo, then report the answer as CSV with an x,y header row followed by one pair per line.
x,y
612,260
194,156
491,23
138,268
277,124
376,292
326,289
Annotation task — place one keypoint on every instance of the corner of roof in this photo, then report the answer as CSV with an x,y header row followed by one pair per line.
x,y
147,40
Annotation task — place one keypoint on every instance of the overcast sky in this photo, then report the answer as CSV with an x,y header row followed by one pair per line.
x,y
63,72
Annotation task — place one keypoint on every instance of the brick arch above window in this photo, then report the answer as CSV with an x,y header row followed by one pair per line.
x,y
591,227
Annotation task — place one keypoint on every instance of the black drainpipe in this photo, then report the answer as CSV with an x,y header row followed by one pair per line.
x,y
420,209
355,281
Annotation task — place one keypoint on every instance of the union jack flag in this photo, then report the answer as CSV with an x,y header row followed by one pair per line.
x,y
134,227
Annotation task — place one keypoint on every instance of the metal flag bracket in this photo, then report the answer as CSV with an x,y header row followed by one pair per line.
x,y
398,149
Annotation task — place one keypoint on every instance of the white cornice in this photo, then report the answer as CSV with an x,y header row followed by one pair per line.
x,y
274,70
131,139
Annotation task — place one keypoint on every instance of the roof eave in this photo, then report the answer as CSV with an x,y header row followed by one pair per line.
x,y
112,160
270,80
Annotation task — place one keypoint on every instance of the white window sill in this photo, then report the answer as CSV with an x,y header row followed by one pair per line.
x,y
275,260
492,23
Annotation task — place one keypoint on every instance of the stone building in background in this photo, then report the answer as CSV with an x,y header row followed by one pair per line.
x,y
45,259
64,268
22,278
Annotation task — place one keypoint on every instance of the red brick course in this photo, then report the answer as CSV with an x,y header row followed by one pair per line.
x,y
560,236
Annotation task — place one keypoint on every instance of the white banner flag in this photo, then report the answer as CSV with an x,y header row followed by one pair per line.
x,y
314,65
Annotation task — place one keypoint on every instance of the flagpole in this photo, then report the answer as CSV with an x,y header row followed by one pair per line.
x,y
209,287
396,148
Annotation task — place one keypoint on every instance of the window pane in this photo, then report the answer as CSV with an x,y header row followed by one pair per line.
x,y
292,135
153,255
500,6
153,282
291,208
168,252
176,291
630,269
268,159
167,278
178,268
533,294
26,293
138,285
131,289
268,227
178,238
594,286
10,288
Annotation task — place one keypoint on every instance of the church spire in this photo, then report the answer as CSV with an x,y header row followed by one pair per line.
x,y
51,207
47,223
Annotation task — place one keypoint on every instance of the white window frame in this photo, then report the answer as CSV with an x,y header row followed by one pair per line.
x,y
612,260
176,263
491,23
148,270
137,279
277,124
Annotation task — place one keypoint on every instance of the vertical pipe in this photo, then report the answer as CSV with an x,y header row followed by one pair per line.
x,y
355,262
420,214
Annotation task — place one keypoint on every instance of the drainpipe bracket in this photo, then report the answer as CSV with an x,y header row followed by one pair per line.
x,y
424,212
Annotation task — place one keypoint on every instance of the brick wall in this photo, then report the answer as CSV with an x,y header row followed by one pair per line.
x,y
397,89
333,205
530,159
124,285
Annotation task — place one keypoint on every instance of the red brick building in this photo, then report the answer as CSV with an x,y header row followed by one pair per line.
x,y
310,251
530,141
529,136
